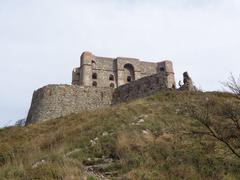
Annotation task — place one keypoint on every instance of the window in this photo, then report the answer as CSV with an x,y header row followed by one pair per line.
x,y
112,85
93,64
94,84
111,77
94,76
162,69
129,79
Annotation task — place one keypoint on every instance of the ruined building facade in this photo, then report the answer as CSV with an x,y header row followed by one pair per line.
x,y
114,72
100,82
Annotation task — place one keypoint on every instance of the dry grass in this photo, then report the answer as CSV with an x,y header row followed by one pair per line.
x,y
144,139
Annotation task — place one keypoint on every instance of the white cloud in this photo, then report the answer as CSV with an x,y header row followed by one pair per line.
x,y
41,41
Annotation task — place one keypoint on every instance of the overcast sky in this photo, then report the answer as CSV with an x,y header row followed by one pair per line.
x,y
41,41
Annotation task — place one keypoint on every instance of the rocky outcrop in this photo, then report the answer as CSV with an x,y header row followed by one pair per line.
x,y
188,83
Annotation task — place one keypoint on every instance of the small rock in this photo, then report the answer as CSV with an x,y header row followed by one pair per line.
x,y
93,142
145,116
145,131
105,134
140,121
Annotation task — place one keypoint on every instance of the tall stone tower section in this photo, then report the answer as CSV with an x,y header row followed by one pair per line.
x,y
166,69
86,69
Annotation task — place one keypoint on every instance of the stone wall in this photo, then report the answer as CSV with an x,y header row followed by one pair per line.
x,y
54,101
119,67
142,87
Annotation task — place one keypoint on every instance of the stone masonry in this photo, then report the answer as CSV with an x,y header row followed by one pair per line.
x,y
100,82
114,72
54,101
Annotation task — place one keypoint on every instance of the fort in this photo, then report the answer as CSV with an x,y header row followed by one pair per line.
x,y
99,82
114,72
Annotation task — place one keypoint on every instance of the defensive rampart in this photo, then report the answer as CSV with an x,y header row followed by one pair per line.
x,y
140,88
54,101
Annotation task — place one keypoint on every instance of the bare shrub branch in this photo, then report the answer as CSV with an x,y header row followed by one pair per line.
x,y
233,84
220,122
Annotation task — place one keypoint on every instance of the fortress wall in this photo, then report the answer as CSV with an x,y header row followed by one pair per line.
x,y
148,68
54,101
104,68
103,78
141,88
104,63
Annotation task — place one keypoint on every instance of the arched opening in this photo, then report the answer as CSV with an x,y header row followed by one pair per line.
x,y
129,79
93,64
94,84
112,85
94,76
111,77
129,74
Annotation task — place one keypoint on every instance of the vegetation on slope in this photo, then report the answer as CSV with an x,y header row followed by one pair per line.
x,y
150,138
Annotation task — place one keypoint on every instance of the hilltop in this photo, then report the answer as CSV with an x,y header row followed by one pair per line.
x,y
147,138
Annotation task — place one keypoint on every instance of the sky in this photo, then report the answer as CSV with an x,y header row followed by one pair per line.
x,y
41,41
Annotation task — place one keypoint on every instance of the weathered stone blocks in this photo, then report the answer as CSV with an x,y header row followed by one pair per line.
x,y
54,101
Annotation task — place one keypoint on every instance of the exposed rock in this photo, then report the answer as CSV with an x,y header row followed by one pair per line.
x,y
140,121
188,83
105,133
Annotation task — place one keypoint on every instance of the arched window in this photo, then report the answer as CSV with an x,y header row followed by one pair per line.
x,y
129,72
112,85
93,64
111,77
94,84
94,76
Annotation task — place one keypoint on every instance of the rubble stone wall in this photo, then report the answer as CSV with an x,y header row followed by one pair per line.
x,y
53,101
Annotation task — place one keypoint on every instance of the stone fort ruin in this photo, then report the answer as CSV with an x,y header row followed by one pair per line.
x,y
99,82
114,72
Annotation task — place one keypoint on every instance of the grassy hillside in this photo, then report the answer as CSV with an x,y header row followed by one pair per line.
x,y
149,138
